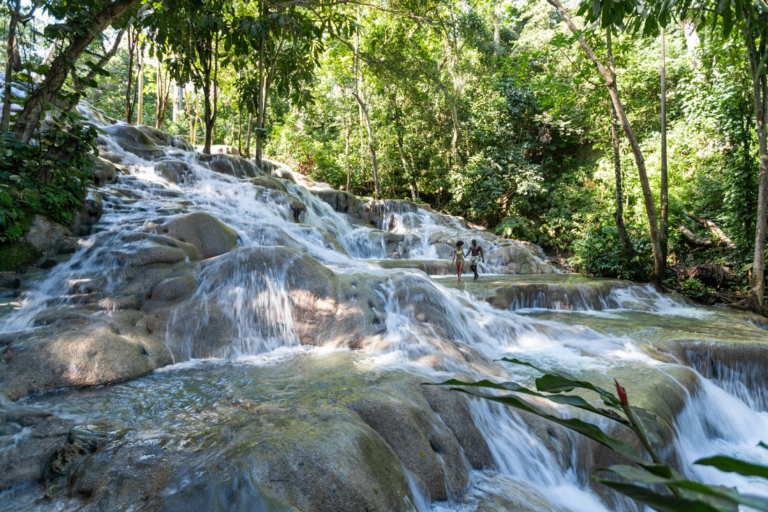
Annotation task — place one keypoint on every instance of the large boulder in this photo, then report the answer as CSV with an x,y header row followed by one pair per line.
x,y
46,236
453,409
29,439
340,201
76,350
518,259
104,172
141,254
88,214
208,234
231,164
424,445
135,141
252,298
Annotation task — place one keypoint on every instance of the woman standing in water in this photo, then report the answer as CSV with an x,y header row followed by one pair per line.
x,y
458,257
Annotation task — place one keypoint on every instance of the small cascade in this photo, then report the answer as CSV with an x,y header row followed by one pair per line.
x,y
739,370
715,422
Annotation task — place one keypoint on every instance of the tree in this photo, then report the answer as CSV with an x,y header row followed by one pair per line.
x,y
659,267
190,35
619,214
84,24
12,59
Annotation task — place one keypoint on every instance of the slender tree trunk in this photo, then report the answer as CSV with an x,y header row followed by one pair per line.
x,y
261,101
664,194
132,38
48,90
659,267
248,132
757,51
347,129
618,215
140,88
371,145
163,94
11,52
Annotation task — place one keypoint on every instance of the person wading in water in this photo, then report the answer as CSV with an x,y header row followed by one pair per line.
x,y
458,257
475,251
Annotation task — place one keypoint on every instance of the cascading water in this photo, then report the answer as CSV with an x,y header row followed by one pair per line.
x,y
354,272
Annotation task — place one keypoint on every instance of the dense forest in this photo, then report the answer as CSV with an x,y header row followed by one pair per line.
x,y
628,140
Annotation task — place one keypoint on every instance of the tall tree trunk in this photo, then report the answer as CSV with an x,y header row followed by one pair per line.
x,y
659,266
347,129
758,52
618,215
10,56
248,133
371,145
664,193
133,37
211,92
48,90
140,88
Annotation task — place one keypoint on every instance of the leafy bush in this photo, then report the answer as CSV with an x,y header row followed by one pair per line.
x,y
49,178
600,253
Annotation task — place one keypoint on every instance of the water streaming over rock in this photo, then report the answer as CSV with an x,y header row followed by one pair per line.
x,y
201,257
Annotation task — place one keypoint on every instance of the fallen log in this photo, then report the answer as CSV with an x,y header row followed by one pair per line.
x,y
722,238
695,239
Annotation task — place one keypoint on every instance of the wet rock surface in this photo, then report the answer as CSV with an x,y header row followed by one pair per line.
x,y
206,233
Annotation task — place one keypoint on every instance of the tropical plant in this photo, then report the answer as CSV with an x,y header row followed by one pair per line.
x,y
655,482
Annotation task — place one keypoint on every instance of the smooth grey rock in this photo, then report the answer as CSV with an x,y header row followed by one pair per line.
x,y
453,409
104,172
45,235
174,288
422,443
211,236
231,164
143,254
29,440
134,141
78,352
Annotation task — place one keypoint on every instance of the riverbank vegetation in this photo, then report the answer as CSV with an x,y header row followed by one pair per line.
x,y
540,121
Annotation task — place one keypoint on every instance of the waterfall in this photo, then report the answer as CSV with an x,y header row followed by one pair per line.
x,y
309,265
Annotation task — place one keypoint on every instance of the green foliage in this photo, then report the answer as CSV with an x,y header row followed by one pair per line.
x,y
49,178
17,256
653,483
600,253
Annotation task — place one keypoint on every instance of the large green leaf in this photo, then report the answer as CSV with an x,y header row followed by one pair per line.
x,y
573,401
577,425
731,465
666,503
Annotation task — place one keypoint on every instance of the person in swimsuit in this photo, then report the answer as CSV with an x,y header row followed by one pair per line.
x,y
458,257
475,251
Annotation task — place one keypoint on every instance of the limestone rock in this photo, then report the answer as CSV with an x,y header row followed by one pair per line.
x,y
232,165
422,443
134,141
269,183
29,439
89,213
78,352
208,234
453,409
143,254
174,288
45,235
104,172
518,259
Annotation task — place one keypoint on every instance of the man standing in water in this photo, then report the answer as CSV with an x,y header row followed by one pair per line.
x,y
475,252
